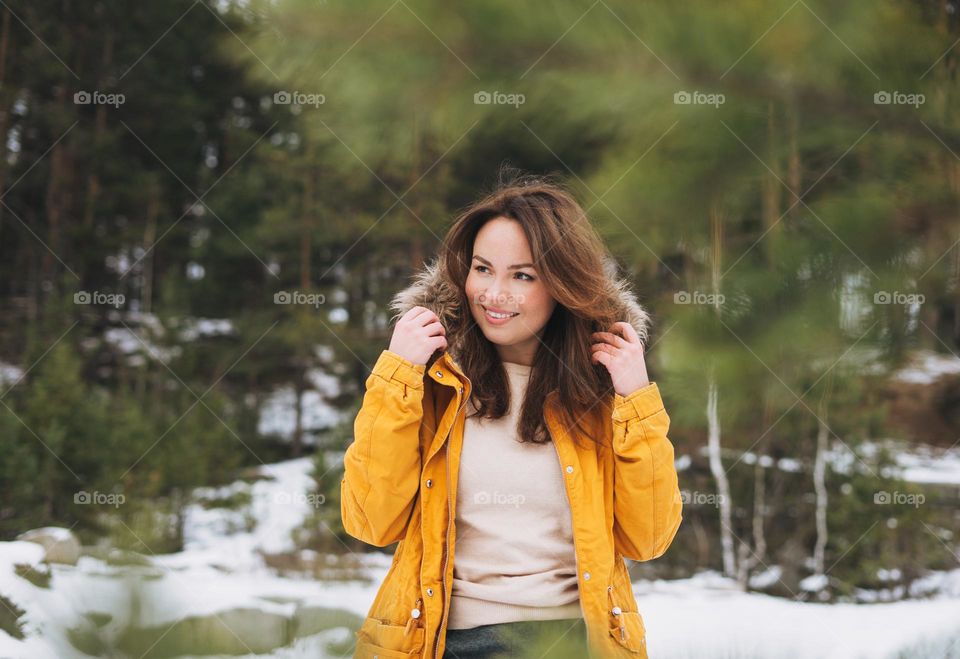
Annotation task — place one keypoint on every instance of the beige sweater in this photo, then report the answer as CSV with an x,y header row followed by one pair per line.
x,y
514,557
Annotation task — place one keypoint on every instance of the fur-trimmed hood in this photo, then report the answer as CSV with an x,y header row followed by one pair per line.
x,y
432,289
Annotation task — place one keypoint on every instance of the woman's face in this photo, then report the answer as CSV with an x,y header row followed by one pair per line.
x,y
503,280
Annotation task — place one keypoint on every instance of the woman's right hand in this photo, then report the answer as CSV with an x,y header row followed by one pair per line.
x,y
418,335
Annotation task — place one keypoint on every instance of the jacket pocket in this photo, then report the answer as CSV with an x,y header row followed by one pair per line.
x,y
626,626
379,639
628,630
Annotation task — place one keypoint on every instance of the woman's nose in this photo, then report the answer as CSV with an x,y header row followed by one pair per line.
x,y
497,296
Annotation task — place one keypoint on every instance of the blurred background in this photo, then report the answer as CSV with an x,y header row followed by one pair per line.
x,y
206,205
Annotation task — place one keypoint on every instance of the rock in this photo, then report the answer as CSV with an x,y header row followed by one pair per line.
x,y
232,632
60,544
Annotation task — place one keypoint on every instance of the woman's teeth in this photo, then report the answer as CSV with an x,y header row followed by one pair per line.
x,y
499,315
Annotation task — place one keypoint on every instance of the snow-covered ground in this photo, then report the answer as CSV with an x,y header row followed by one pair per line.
x,y
222,570
914,463
704,617
926,366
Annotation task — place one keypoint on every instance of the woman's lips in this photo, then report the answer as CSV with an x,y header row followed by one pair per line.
x,y
493,320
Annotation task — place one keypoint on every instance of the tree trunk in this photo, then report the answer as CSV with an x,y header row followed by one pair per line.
x,y
306,219
4,110
819,478
772,189
100,128
794,173
720,476
296,447
713,417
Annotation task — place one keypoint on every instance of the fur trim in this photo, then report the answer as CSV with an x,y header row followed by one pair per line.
x,y
431,289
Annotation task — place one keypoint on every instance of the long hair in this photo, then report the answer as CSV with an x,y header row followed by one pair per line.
x,y
571,260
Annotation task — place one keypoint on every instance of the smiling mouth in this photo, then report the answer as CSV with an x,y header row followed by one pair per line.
x,y
498,316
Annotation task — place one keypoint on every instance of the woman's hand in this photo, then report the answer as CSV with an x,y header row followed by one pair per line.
x,y
623,357
418,335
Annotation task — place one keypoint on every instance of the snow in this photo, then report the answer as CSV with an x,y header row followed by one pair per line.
x,y
57,533
915,463
279,504
9,374
925,464
814,583
194,328
221,569
767,578
926,366
278,412
705,616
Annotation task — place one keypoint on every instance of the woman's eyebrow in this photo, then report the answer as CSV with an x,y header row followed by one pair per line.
x,y
512,267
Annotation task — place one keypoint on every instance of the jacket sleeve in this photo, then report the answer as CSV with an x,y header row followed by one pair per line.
x,y
646,493
381,468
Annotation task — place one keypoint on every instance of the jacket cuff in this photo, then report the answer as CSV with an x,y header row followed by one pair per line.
x,y
391,366
642,403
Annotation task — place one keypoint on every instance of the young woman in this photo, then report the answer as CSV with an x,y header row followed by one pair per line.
x,y
510,440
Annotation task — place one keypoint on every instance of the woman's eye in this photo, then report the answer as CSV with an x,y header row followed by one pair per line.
x,y
481,268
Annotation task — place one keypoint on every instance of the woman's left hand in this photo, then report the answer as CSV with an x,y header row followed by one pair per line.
x,y
623,357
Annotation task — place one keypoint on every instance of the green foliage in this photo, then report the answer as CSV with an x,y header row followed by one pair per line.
x,y
10,615
796,199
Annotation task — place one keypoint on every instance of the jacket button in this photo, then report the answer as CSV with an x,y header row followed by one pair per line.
x,y
439,374
586,576
429,482
617,610
569,469
429,592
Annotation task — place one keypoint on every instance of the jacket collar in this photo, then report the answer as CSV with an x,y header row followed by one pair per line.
x,y
432,289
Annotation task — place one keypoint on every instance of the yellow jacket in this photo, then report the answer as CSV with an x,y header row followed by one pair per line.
x,y
400,484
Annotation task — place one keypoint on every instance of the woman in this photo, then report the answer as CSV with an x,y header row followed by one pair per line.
x,y
510,440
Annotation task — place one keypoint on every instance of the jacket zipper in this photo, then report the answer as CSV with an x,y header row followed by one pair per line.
x,y
576,555
446,553
414,615
616,610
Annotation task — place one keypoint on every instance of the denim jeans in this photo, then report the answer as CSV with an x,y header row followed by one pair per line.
x,y
514,640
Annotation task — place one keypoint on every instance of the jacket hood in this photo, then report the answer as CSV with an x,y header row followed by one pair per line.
x,y
432,289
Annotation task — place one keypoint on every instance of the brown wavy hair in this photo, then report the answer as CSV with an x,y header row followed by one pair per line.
x,y
573,263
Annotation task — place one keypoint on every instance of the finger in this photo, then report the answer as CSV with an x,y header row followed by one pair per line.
x,y
604,347
435,329
602,357
628,331
413,313
424,317
613,339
